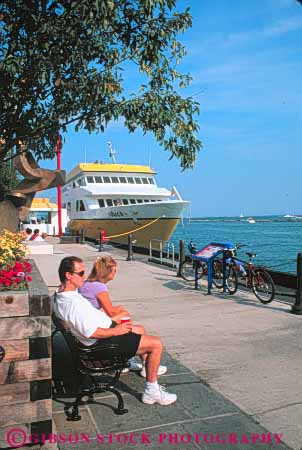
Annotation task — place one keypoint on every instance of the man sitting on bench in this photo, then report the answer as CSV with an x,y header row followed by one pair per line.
x,y
89,325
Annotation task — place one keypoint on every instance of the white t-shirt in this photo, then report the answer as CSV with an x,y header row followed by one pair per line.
x,y
82,318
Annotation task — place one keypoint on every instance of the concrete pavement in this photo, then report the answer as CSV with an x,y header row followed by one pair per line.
x,y
234,363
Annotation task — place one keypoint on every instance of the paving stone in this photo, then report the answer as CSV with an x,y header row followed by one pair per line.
x,y
226,432
148,439
85,425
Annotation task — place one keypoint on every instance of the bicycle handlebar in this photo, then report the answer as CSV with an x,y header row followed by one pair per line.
x,y
239,245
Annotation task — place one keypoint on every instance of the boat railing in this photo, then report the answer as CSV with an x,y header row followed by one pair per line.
x,y
162,252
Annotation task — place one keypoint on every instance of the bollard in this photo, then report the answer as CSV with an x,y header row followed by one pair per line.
x,y
82,236
181,256
130,252
297,307
101,241
224,274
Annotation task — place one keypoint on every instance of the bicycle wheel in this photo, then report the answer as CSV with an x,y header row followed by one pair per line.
x,y
231,280
263,286
217,273
231,276
187,270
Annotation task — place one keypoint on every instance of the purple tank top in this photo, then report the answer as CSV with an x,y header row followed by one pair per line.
x,y
90,289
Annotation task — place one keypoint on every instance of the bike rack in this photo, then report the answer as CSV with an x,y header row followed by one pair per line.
x,y
162,246
206,255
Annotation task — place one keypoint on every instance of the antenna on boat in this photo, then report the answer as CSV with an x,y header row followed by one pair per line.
x,y
112,152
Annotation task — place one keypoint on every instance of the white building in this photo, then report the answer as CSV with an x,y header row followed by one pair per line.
x,y
44,216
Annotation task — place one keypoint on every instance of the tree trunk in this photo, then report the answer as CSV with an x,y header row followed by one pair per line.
x,y
9,216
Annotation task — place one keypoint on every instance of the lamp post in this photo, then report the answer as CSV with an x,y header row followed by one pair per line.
x,y
59,189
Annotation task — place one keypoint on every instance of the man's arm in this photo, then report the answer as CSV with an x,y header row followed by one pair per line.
x,y
103,333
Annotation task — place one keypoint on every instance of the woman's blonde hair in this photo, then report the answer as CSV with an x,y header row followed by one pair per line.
x,y
102,268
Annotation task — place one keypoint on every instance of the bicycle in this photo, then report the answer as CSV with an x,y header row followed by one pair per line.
x,y
256,278
231,278
188,267
188,271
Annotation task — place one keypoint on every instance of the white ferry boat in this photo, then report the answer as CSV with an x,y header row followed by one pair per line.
x,y
121,199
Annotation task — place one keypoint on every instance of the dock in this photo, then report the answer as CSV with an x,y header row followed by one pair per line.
x,y
234,363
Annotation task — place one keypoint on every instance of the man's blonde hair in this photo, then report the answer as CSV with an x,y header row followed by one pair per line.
x,y
101,268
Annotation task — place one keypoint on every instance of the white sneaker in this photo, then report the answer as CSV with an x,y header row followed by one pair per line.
x,y
160,396
161,371
133,365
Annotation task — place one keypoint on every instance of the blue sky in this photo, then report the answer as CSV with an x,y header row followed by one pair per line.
x,y
245,60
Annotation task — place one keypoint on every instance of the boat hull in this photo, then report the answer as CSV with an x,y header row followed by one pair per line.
x,y
142,230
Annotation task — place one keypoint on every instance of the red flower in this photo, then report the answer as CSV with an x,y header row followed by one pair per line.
x,y
18,266
26,267
17,280
28,278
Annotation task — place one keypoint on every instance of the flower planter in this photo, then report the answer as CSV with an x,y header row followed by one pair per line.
x,y
25,370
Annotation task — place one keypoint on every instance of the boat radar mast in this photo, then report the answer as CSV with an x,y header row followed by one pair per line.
x,y
112,152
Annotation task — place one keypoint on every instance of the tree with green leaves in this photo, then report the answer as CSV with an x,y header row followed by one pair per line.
x,y
68,62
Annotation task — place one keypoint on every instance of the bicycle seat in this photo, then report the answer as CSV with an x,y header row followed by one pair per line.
x,y
251,255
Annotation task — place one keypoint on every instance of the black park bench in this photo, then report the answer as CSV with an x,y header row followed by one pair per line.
x,y
90,363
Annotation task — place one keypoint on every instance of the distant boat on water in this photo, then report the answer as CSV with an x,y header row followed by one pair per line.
x,y
251,220
241,215
293,217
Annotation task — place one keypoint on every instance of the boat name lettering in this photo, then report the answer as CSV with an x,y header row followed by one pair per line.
x,y
117,214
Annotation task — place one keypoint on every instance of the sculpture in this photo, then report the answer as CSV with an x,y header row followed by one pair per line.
x,y
17,202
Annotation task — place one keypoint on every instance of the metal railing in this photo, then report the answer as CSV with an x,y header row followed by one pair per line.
x,y
164,249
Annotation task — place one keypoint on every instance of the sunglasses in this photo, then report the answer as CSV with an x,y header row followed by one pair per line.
x,y
81,274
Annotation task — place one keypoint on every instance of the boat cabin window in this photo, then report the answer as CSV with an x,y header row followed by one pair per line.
x,y
114,180
81,181
138,181
117,202
90,180
130,180
98,179
145,180
125,201
101,202
68,205
123,180
151,180
80,205
132,201
107,179
153,200
139,200
146,200
109,202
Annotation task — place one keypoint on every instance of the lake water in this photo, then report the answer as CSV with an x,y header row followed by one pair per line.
x,y
274,239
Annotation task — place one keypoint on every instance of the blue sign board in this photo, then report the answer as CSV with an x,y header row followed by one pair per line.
x,y
206,254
